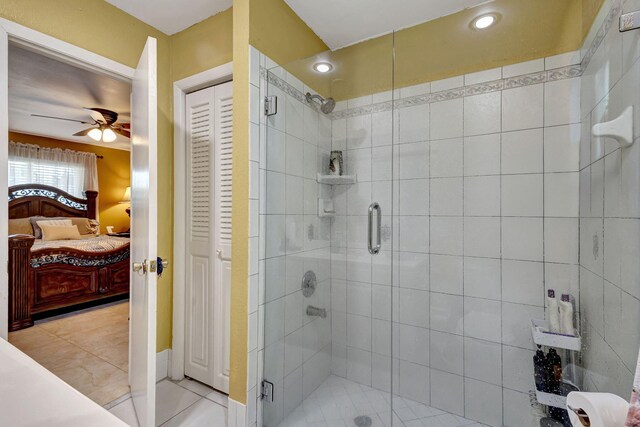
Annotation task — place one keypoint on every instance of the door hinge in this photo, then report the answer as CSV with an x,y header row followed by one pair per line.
x,y
267,391
270,105
629,21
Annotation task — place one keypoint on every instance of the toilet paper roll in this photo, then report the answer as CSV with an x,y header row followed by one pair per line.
x,y
603,409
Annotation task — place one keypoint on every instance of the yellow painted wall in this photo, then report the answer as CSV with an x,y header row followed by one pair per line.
x,y
448,47
113,176
101,28
280,34
240,202
202,46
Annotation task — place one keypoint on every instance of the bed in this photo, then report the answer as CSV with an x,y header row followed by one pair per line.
x,y
46,277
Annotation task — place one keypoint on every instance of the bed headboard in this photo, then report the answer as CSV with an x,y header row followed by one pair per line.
x,y
42,200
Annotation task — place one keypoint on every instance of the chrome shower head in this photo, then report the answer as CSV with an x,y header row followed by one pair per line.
x,y
326,105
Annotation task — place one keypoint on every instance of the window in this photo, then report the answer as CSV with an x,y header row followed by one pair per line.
x,y
70,171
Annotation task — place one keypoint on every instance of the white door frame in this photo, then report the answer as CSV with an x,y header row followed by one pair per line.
x,y
62,51
212,77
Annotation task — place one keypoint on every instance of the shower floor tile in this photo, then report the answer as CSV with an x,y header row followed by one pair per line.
x,y
338,401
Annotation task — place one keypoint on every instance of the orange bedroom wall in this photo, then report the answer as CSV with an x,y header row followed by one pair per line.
x,y
113,177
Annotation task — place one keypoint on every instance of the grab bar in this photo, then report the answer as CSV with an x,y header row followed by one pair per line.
x,y
373,250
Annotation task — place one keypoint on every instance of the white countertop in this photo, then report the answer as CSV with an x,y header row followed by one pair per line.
x,y
32,396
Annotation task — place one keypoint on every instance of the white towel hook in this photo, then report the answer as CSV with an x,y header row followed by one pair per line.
x,y
620,128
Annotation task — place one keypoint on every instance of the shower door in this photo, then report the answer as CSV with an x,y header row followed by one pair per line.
x,y
327,216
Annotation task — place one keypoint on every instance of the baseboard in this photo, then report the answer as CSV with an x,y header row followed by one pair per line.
x,y
237,414
162,364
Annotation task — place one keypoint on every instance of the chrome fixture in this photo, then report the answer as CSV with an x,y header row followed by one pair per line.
x,y
309,283
326,105
373,250
315,311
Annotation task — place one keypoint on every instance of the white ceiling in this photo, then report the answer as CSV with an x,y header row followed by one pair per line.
x,y
341,23
171,16
41,85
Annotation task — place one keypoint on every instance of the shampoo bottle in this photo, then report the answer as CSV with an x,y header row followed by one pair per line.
x,y
554,371
540,370
566,315
553,316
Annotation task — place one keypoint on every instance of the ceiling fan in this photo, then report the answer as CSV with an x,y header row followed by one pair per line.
x,y
104,127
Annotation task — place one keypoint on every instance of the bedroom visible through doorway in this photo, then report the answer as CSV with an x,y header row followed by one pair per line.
x,y
69,222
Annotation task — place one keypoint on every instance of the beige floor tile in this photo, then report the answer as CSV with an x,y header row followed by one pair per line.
x,y
88,350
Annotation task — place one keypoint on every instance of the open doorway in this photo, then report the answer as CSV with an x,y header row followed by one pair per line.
x,y
69,226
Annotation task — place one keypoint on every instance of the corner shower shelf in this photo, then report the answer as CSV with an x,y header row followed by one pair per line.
x,y
542,336
336,179
550,399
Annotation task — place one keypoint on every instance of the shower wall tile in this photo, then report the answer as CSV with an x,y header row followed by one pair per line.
x,y
608,280
521,68
483,361
447,391
446,158
446,119
522,151
482,114
482,196
562,102
485,189
522,195
482,278
447,352
413,123
482,155
483,402
481,319
523,282
483,76
522,108
561,153
482,237
522,238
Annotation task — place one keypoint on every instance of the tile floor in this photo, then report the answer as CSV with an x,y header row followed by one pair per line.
x,y
88,349
338,401
185,403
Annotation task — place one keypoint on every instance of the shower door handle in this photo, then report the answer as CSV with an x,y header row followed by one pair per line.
x,y
373,250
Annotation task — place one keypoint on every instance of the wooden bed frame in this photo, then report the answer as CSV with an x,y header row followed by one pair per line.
x,y
51,279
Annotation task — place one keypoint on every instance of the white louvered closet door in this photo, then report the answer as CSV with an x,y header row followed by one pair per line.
x,y
208,281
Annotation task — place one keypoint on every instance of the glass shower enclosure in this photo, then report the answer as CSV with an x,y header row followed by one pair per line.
x,y
329,242
422,192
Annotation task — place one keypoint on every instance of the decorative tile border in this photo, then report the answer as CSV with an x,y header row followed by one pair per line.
x,y
287,88
555,74
463,91
612,17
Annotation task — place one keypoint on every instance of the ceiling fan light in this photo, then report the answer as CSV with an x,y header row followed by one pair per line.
x,y
95,134
108,135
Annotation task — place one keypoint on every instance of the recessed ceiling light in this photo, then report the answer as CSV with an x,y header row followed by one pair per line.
x,y
322,67
484,21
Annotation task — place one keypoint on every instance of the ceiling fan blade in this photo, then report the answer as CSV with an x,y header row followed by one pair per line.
x,y
103,115
124,125
95,115
61,118
83,132
122,132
